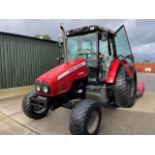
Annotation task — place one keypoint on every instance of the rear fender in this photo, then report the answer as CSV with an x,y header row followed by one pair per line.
x,y
113,69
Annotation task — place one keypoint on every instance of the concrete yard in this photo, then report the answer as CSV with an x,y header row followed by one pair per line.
x,y
137,120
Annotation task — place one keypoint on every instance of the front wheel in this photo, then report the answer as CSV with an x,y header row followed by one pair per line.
x,y
85,118
34,110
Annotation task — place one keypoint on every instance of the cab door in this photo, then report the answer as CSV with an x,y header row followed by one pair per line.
x,y
123,50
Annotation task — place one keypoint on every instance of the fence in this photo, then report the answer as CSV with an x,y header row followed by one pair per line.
x,y
23,58
140,67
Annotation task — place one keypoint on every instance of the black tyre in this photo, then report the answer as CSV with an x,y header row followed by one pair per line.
x,y
124,90
34,111
85,118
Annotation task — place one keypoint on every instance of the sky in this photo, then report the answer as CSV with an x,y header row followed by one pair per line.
x,y
141,32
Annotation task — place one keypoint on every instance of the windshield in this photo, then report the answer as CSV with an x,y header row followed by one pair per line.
x,y
83,46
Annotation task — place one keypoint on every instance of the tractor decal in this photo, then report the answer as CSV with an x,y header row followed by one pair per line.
x,y
71,70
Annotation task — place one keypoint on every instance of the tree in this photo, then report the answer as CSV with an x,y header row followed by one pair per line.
x,y
42,36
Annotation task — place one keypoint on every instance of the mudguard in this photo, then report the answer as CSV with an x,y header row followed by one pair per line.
x,y
113,69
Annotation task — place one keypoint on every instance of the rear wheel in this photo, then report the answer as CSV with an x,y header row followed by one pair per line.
x,y
85,118
34,110
124,90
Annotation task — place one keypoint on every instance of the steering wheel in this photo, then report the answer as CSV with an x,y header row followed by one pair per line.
x,y
84,53
86,49
89,57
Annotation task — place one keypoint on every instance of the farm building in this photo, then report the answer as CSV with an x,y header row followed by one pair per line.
x,y
24,58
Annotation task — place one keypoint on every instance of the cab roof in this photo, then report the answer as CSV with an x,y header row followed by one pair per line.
x,y
88,29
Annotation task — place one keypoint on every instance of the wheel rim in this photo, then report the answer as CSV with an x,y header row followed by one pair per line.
x,y
93,122
39,108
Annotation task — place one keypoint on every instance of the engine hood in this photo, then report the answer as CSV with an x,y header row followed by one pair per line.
x,y
60,71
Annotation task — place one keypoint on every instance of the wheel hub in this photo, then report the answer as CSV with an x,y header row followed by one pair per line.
x,y
93,122
39,107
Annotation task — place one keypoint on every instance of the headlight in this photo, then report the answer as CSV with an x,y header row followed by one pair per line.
x,y
42,87
37,87
45,89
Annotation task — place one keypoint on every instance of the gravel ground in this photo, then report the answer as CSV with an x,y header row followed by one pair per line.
x,y
148,79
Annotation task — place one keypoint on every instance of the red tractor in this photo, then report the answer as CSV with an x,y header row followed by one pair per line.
x,y
98,69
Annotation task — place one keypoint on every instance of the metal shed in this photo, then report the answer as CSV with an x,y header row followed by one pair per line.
x,y
24,58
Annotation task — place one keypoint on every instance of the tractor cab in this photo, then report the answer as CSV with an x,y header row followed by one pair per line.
x,y
99,46
94,44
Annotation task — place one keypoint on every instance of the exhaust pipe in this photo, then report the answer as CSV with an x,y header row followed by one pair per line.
x,y
64,41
